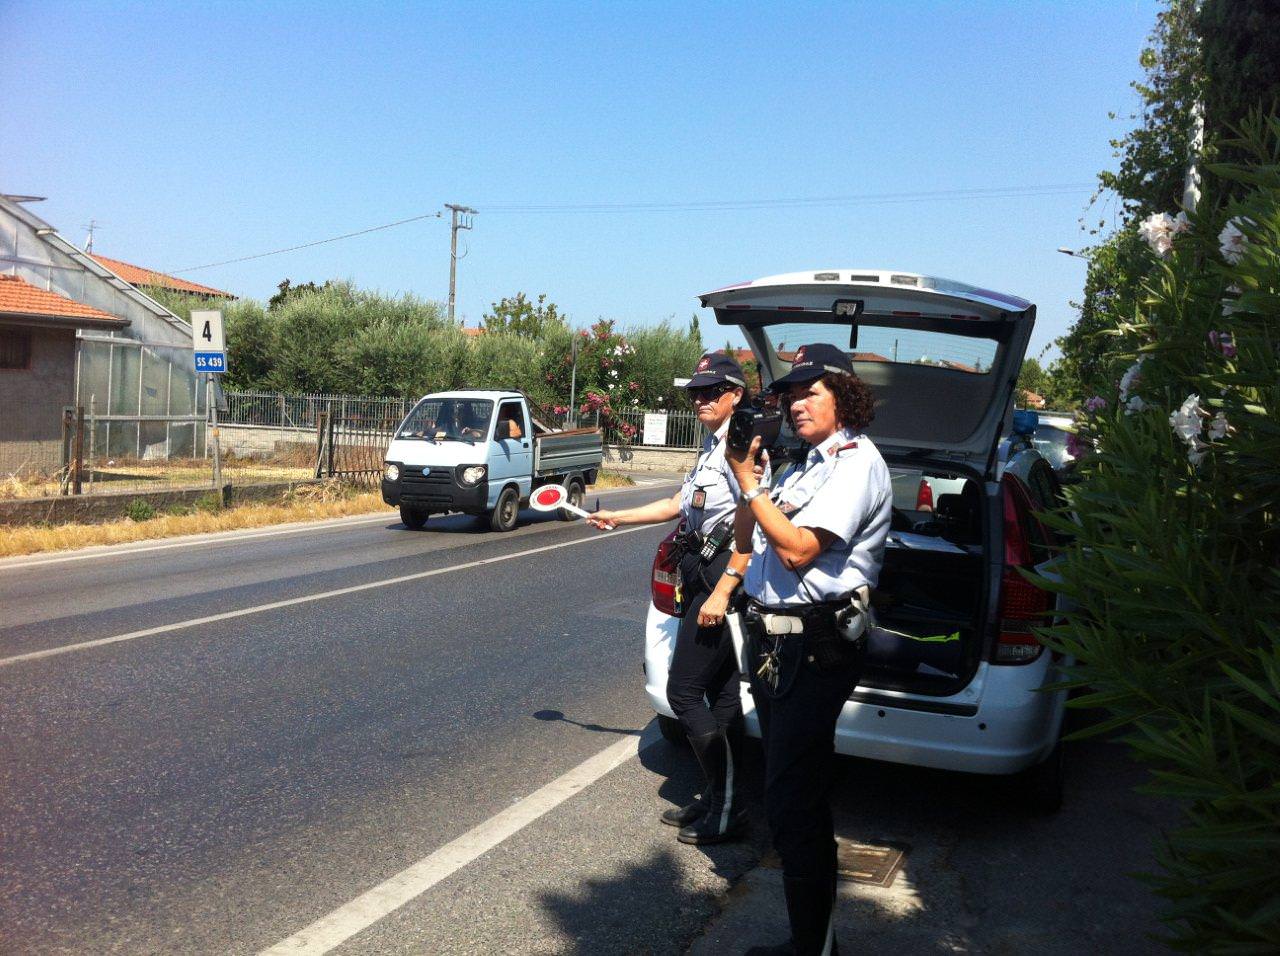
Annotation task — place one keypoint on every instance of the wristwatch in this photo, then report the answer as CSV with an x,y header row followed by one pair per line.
x,y
755,493
733,573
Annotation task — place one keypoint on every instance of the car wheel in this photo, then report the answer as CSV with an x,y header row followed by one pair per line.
x,y
504,515
413,518
672,730
1041,786
575,498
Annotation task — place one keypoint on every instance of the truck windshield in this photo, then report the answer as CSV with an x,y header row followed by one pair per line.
x,y
447,419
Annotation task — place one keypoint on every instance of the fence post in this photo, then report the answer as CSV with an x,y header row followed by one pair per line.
x,y
329,415
322,429
77,451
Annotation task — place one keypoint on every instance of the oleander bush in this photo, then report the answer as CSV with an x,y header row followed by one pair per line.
x,y
1175,564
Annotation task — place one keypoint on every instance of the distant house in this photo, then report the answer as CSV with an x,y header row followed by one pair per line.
x,y
129,357
141,278
38,369
1030,399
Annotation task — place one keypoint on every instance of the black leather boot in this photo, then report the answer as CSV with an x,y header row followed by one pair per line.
x,y
723,819
683,816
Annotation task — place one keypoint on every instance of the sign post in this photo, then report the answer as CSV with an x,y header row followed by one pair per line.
x,y
209,349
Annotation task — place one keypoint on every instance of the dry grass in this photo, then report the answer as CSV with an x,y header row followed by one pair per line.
x,y
612,479
307,502
36,539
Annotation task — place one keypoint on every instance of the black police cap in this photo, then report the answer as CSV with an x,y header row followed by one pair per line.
x,y
813,362
717,368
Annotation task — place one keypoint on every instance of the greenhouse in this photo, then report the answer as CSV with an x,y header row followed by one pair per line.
x,y
137,384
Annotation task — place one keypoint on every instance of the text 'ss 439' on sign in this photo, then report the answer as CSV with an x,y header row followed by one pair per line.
x,y
207,342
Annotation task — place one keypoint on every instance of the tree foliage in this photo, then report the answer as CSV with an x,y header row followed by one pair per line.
x,y
521,317
1176,549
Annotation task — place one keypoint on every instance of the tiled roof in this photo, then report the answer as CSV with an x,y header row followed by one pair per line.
x,y
138,276
20,297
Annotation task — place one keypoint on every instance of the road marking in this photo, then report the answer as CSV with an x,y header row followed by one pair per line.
x,y
220,537
306,599
334,929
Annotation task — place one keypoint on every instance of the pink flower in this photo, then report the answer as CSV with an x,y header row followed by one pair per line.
x,y
1075,447
1223,341
1095,404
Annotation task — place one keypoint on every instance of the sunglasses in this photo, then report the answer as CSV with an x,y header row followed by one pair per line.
x,y
708,392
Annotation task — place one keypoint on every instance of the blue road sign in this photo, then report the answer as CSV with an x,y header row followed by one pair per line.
x,y
212,362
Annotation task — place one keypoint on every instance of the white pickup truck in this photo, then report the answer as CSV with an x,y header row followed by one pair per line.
x,y
482,453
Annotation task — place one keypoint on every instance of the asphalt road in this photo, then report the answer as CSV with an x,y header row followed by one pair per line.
x,y
216,788
397,736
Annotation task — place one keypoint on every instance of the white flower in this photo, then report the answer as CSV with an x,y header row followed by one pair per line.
x,y
1231,241
1158,231
1197,451
1181,223
1135,404
1218,427
1130,378
1186,420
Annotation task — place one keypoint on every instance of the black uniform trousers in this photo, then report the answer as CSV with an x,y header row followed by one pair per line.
x,y
702,685
797,729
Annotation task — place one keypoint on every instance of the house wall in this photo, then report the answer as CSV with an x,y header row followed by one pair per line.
x,y
31,402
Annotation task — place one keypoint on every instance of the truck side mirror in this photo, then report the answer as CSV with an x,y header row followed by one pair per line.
x,y
502,430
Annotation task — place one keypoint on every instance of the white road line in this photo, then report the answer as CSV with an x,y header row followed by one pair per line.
x,y
307,599
369,907
230,537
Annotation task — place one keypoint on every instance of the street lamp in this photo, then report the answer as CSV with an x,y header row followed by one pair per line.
x,y
1071,252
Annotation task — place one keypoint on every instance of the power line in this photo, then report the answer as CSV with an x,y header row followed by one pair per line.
x,y
798,202
995,192
308,245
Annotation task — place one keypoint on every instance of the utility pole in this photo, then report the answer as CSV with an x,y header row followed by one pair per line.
x,y
91,226
461,219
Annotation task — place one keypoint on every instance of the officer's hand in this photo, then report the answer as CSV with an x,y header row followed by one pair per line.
x,y
712,612
603,520
760,466
743,464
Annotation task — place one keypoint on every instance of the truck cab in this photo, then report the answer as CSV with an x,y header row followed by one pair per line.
x,y
482,453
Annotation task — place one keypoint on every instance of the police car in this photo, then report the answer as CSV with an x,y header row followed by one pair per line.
x,y
954,672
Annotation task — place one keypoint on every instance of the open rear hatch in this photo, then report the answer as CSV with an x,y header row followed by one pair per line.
x,y
942,360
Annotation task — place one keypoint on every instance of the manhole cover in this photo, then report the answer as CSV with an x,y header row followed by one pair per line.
x,y
858,862
865,863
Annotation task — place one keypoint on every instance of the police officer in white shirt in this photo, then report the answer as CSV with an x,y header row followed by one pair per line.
x,y
702,685
817,545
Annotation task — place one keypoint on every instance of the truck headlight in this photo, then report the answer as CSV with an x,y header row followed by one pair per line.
x,y
472,474
393,472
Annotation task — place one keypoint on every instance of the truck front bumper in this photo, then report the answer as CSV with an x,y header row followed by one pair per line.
x,y
433,490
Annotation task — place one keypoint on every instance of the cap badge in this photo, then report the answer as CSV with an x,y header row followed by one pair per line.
x,y
704,364
799,356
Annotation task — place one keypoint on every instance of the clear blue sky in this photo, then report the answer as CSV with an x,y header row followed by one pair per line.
x,y
201,132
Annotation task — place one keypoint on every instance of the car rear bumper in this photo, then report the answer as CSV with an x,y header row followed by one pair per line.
x,y
999,724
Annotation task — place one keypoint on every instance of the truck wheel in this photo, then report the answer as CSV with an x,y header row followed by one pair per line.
x,y
504,515
413,518
575,498
672,730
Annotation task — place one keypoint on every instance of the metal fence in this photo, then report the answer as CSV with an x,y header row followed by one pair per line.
x,y
683,430
50,449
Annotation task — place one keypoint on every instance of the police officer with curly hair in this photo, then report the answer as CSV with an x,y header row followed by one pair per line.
x,y
817,544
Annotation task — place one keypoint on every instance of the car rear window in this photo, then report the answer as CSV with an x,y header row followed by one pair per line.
x,y
959,353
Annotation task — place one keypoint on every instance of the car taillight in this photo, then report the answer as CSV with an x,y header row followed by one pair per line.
x,y
1022,604
924,496
666,575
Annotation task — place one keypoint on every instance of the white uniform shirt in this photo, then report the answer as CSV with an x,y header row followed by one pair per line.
x,y
844,488
710,492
